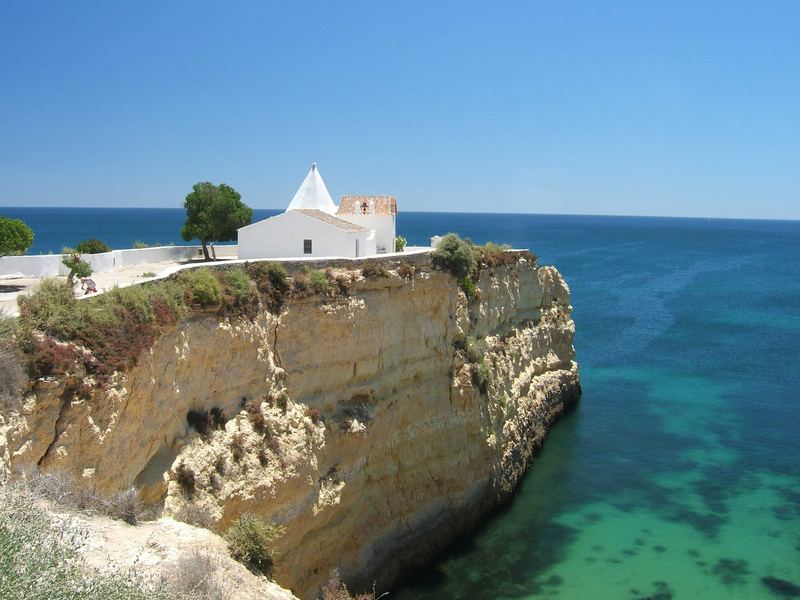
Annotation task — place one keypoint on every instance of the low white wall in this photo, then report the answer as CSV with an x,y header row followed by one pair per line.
x,y
49,265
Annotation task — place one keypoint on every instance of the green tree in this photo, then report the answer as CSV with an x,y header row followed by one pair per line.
x,y
92,246
213,214
15,236
76,265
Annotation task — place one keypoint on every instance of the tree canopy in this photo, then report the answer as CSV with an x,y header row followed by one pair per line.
x,y
213,214
76,265
15,236
92,246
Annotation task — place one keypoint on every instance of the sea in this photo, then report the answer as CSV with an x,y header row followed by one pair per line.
x,y
678,473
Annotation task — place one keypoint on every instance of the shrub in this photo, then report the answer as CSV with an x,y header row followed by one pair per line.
x,y
239,284
343,283
469,346
256,416
203,287
92,246
335,589
454,255
51,308
282,400
278,276
249,541
126,506
218,418
48,358
318,282
468,287
148,274
8,324
400,243
300,282
237,447
12,377
406,270
481,376
185,478
116,326
374,272
200,421
139,244
199,576
313,414
271,279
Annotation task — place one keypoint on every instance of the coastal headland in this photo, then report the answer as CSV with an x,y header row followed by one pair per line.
x,y
372,410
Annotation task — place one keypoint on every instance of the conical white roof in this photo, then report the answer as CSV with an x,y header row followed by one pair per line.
x,y
312,194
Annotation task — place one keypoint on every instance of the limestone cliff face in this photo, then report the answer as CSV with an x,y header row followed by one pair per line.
x,y
374,427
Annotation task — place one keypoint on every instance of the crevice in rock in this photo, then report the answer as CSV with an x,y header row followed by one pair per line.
x,y
58,424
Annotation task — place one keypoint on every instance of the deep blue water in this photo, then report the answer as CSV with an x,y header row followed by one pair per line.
x,y
678,474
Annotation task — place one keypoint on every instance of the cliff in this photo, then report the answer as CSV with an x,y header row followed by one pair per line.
x,y
374,426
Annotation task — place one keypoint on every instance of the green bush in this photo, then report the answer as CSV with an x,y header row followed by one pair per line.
x,y
249,541
203,287
116,326
92,246
454,255
7,324
239,284
318,282
400,243
51,308
481,376
278,276
468,287
139,244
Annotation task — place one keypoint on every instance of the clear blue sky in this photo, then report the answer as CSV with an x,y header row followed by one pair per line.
x,y
642,107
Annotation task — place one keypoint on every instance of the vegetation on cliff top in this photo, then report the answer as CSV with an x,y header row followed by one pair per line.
x,y
465,259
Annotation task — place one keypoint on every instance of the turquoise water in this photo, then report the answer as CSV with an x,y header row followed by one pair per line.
x,y
677,475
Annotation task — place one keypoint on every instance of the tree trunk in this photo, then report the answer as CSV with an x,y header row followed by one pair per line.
x,y
213,252
205,250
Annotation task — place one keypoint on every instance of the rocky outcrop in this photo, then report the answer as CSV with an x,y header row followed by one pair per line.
x,y
374,427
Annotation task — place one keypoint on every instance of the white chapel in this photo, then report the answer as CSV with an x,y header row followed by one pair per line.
x,y
313,226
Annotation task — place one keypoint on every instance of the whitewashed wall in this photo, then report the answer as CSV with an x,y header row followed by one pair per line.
x,y
383,225
283,235
50,265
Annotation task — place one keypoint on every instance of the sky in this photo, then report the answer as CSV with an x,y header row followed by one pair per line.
x,y
626,108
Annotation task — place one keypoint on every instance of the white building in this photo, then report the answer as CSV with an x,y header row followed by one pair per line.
x,y
313,226
373,212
